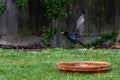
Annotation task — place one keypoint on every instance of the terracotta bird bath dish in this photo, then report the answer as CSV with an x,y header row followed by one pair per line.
x,y
84,66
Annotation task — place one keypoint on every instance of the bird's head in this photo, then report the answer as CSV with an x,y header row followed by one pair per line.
x,y
65,33
62,33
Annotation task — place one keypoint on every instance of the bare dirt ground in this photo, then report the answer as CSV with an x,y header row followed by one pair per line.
x,y
38,48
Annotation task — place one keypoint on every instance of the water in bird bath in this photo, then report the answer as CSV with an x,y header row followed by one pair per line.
x,y
81,64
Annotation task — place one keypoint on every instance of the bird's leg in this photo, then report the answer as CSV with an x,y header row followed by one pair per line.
x,y
76,46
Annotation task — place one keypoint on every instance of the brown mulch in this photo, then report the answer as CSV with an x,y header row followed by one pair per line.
x,y
34,47
38,48
110,46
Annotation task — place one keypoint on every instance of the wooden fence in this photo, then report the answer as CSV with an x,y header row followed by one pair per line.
x,y
102,16
25,21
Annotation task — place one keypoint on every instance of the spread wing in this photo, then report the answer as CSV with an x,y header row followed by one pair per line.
x,y
80,24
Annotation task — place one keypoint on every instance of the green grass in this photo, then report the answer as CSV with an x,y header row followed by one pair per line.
x,y
16,65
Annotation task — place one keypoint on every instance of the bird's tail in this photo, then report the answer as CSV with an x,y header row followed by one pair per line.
x,y
83,44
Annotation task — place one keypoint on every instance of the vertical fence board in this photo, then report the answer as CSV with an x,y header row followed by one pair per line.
x,y
94,17
107,16
9,20
117,16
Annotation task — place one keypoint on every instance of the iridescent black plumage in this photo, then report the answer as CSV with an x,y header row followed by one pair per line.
x,y
74,38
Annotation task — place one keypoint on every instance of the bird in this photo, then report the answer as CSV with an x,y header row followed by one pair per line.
x,y
76,37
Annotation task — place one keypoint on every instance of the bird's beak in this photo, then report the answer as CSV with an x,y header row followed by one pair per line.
x,y
62,33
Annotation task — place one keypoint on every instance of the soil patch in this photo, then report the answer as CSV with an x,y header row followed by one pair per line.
x,y
38,48
34,47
